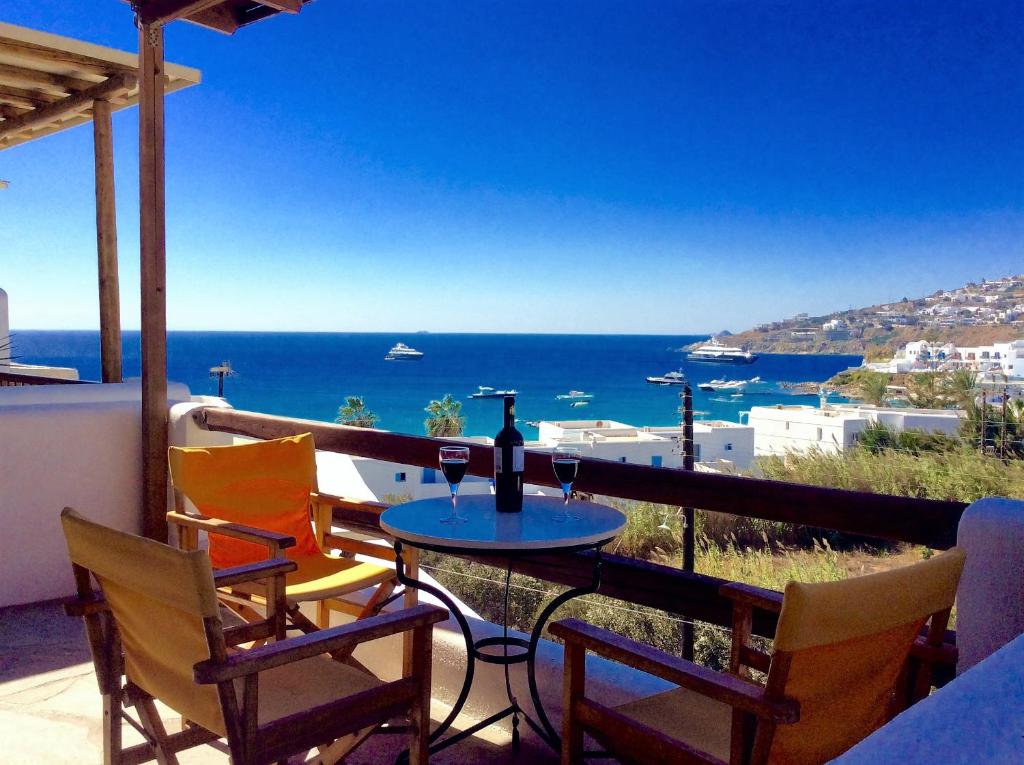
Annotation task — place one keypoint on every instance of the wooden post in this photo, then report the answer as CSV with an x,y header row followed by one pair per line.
x,y
106,243
153,271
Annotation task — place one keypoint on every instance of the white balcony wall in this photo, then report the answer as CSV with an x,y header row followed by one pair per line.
x,y
64,445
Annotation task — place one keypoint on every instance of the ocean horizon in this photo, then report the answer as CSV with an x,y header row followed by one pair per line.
x,y
309,374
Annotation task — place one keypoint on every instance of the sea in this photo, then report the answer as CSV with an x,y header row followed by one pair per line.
x,y
308,375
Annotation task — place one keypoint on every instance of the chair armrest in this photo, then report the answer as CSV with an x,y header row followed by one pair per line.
x,y
316,643
263,569
748,594
347,502
359,547
76,606
720,686
269,539
944,654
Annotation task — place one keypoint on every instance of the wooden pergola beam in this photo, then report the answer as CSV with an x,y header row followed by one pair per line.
x,y
106,244
220,18
119,84
9,112
57,83
286,6
89,64
156,12
153,278
24,98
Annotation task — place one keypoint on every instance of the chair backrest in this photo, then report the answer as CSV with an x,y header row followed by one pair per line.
x,y
159,598
840,648
266,484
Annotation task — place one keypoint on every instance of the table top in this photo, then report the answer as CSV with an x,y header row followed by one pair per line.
x,y
419,524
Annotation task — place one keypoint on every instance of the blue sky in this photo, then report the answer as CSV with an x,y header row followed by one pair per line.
x,y
586,166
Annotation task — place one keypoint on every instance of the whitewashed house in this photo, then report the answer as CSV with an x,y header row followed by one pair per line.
x,y
716,442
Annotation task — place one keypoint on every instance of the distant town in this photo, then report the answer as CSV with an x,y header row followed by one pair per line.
x,y
976,314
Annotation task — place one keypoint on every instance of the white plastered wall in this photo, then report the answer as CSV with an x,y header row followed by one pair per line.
x,y
64,445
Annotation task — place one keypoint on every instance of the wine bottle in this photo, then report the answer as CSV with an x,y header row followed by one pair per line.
x,y
509,462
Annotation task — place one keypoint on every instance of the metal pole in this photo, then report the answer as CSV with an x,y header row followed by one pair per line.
x,y
688,522
1002,428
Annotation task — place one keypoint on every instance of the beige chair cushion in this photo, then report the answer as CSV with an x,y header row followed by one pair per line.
x,y
297,687
695,720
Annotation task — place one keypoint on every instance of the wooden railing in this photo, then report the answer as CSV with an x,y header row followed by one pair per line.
x,y
901,519
15,380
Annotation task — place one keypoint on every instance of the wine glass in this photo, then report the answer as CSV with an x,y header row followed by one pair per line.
x,y
454,460
565,460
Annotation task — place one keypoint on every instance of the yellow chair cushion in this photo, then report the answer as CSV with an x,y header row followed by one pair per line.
x,y
320,576
297,687
696,720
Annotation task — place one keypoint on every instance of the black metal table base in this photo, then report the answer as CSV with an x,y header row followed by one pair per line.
x,y
522,651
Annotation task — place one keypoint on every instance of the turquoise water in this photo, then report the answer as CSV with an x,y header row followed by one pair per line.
x,y
309,374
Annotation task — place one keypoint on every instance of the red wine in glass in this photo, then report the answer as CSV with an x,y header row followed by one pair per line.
x,y
454,460
565,460
454,470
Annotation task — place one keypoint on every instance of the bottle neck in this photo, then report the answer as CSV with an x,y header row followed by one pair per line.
x,y
510,412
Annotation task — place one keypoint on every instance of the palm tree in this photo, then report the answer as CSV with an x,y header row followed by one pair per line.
x,y
355,413
926,391
445,417
872,388
961,388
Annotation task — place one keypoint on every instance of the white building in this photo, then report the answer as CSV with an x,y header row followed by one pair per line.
x,y
922,356
389,480
781,429
7,365
716,442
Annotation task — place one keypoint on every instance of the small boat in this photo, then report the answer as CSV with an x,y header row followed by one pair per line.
x,y
716,353
573,394
402,352
485,391
575,404
669,378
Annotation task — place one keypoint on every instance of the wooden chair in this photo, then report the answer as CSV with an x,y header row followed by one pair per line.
x,y
156,634
262,500
838,671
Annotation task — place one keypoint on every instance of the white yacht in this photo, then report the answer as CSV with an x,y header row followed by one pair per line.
x,y
669,378
573,394
402,352
485,391
716,353
736,387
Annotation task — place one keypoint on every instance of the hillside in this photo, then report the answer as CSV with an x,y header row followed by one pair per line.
x,y
975,314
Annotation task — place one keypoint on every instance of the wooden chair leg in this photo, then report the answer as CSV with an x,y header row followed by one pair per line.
x,y
154,726
573,683
112,742
323,614
382,593
419,714
336,751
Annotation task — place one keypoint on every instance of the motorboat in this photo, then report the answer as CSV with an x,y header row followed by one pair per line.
x,y
716,353
573,395
402,352
576,404
669,378
735,387
485,391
